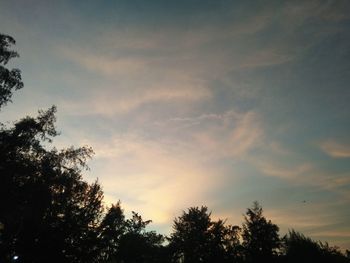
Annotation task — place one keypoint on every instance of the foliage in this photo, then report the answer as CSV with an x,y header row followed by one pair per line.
x,y
126,240
47,209
111,230
299,248
9,79
196,238
48,212
260,237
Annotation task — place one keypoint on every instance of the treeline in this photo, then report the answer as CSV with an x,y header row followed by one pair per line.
x,y
48,213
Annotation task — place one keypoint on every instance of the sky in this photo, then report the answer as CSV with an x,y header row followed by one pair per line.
x,y
190,103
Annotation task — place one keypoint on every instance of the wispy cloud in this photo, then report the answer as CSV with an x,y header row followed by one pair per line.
x,y
150,178
160,176
304,174
291,172
227,135
316,9
335,149
116,101
266,57
335,234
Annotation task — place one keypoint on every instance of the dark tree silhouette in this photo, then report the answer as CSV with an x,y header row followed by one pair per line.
x,y
126,240
190,239
260,237
299,248
196,238
112,228
47,212
9,79
139,245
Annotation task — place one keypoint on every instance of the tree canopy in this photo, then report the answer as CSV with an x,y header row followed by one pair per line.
x,y
260,237
299,248
197,238
10,79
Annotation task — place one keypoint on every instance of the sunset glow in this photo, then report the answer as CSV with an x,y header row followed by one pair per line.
x,y
190,103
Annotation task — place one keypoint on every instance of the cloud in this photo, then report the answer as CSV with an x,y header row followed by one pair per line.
x,y
130,80
333,182
198,54
310,219
335,149
138,67
266,57
150,178
303,220
337,234
301,173
101,63
288,172
159,176
332,11
114,101
231,134
246,135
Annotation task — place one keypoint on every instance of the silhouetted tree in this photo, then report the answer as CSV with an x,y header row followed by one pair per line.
x,y
233,247
139,245
47,210
260,237
196,238
299,248
112,228
126,240
190,239
48,213
9,79
224,243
